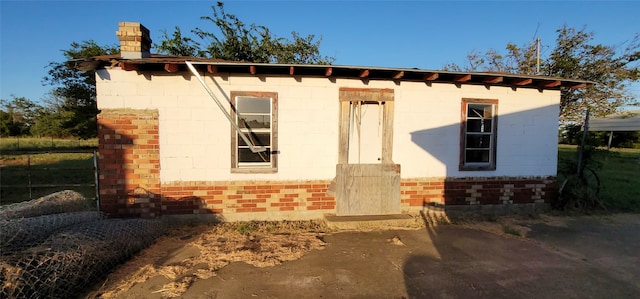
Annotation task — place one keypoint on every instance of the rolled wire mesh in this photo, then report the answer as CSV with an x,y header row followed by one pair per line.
x,y
59,202
20,234
75,258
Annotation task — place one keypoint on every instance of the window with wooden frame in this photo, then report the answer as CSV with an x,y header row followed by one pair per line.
x,y
256,116
478,138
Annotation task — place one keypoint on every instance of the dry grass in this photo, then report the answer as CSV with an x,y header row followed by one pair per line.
x,y
190,253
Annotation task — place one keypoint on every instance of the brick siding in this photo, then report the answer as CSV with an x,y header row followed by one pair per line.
x,y
129,162
245,196
476,190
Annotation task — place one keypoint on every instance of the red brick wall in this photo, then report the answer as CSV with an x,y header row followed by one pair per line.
x,y
243,197
470,191
129,162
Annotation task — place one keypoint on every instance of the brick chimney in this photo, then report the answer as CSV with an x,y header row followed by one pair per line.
x,y
135,41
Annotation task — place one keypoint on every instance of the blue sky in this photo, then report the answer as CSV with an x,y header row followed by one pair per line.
x,y
421,34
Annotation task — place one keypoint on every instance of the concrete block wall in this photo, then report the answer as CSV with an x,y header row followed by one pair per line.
x,y
173,151
195,138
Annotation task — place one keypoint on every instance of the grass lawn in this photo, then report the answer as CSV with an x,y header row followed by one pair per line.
x,y
619,173
46,169
25,144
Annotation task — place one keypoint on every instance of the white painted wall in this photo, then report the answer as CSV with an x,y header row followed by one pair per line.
x,y
195,135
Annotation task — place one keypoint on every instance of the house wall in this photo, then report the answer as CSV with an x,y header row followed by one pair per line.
x,y
194,144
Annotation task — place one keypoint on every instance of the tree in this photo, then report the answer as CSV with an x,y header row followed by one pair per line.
x,y
77,89
179,45
237,41
574,56
18,116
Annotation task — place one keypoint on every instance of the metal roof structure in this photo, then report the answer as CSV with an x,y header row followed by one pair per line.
x,y
173,64
621,121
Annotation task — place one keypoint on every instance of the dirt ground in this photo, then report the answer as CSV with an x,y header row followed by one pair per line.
x,y
507,257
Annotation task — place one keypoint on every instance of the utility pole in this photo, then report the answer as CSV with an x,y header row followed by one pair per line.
x,y
538,56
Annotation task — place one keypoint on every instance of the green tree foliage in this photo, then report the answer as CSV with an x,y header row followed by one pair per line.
x,y
17,116
179,45
237,41
76,89
575,55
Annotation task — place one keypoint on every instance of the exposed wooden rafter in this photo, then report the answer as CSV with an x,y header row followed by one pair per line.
x,y
578,85
328,72
431,76
365,73
493,80
171,67
550,84
462,78
521,81
125,66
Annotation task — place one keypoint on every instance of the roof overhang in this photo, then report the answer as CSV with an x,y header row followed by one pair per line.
x,y
174,64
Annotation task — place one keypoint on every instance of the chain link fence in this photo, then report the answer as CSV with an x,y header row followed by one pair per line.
x,y
62,255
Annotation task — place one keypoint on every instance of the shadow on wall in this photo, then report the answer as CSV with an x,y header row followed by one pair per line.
x,y
525,149
129,166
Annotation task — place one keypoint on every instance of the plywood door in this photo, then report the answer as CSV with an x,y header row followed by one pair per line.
x,y
365,133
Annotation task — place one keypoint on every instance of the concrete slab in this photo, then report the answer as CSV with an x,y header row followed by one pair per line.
x,y
373,222
589,257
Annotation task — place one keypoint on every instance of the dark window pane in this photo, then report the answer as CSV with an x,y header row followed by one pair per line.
x,y
258,139
479,125
478,141
253,105
255,121
477,156
246,155
479,110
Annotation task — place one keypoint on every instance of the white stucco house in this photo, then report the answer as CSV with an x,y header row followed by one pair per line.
x,y
183,135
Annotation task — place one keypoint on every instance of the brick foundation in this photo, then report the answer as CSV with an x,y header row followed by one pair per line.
x,y
245,197
476,191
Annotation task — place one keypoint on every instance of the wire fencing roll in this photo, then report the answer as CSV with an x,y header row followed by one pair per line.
x,y
69,262
59,202
20,234
53,247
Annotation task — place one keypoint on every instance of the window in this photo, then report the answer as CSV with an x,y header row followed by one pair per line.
x,y
255,114
478,130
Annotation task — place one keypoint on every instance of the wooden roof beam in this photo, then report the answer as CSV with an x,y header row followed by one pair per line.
x,y
521,81
212,69
128,66
576,85
398,75
364,73
328,72
431,76
252,69
462,78
549,84
292,70
493,80
171,67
